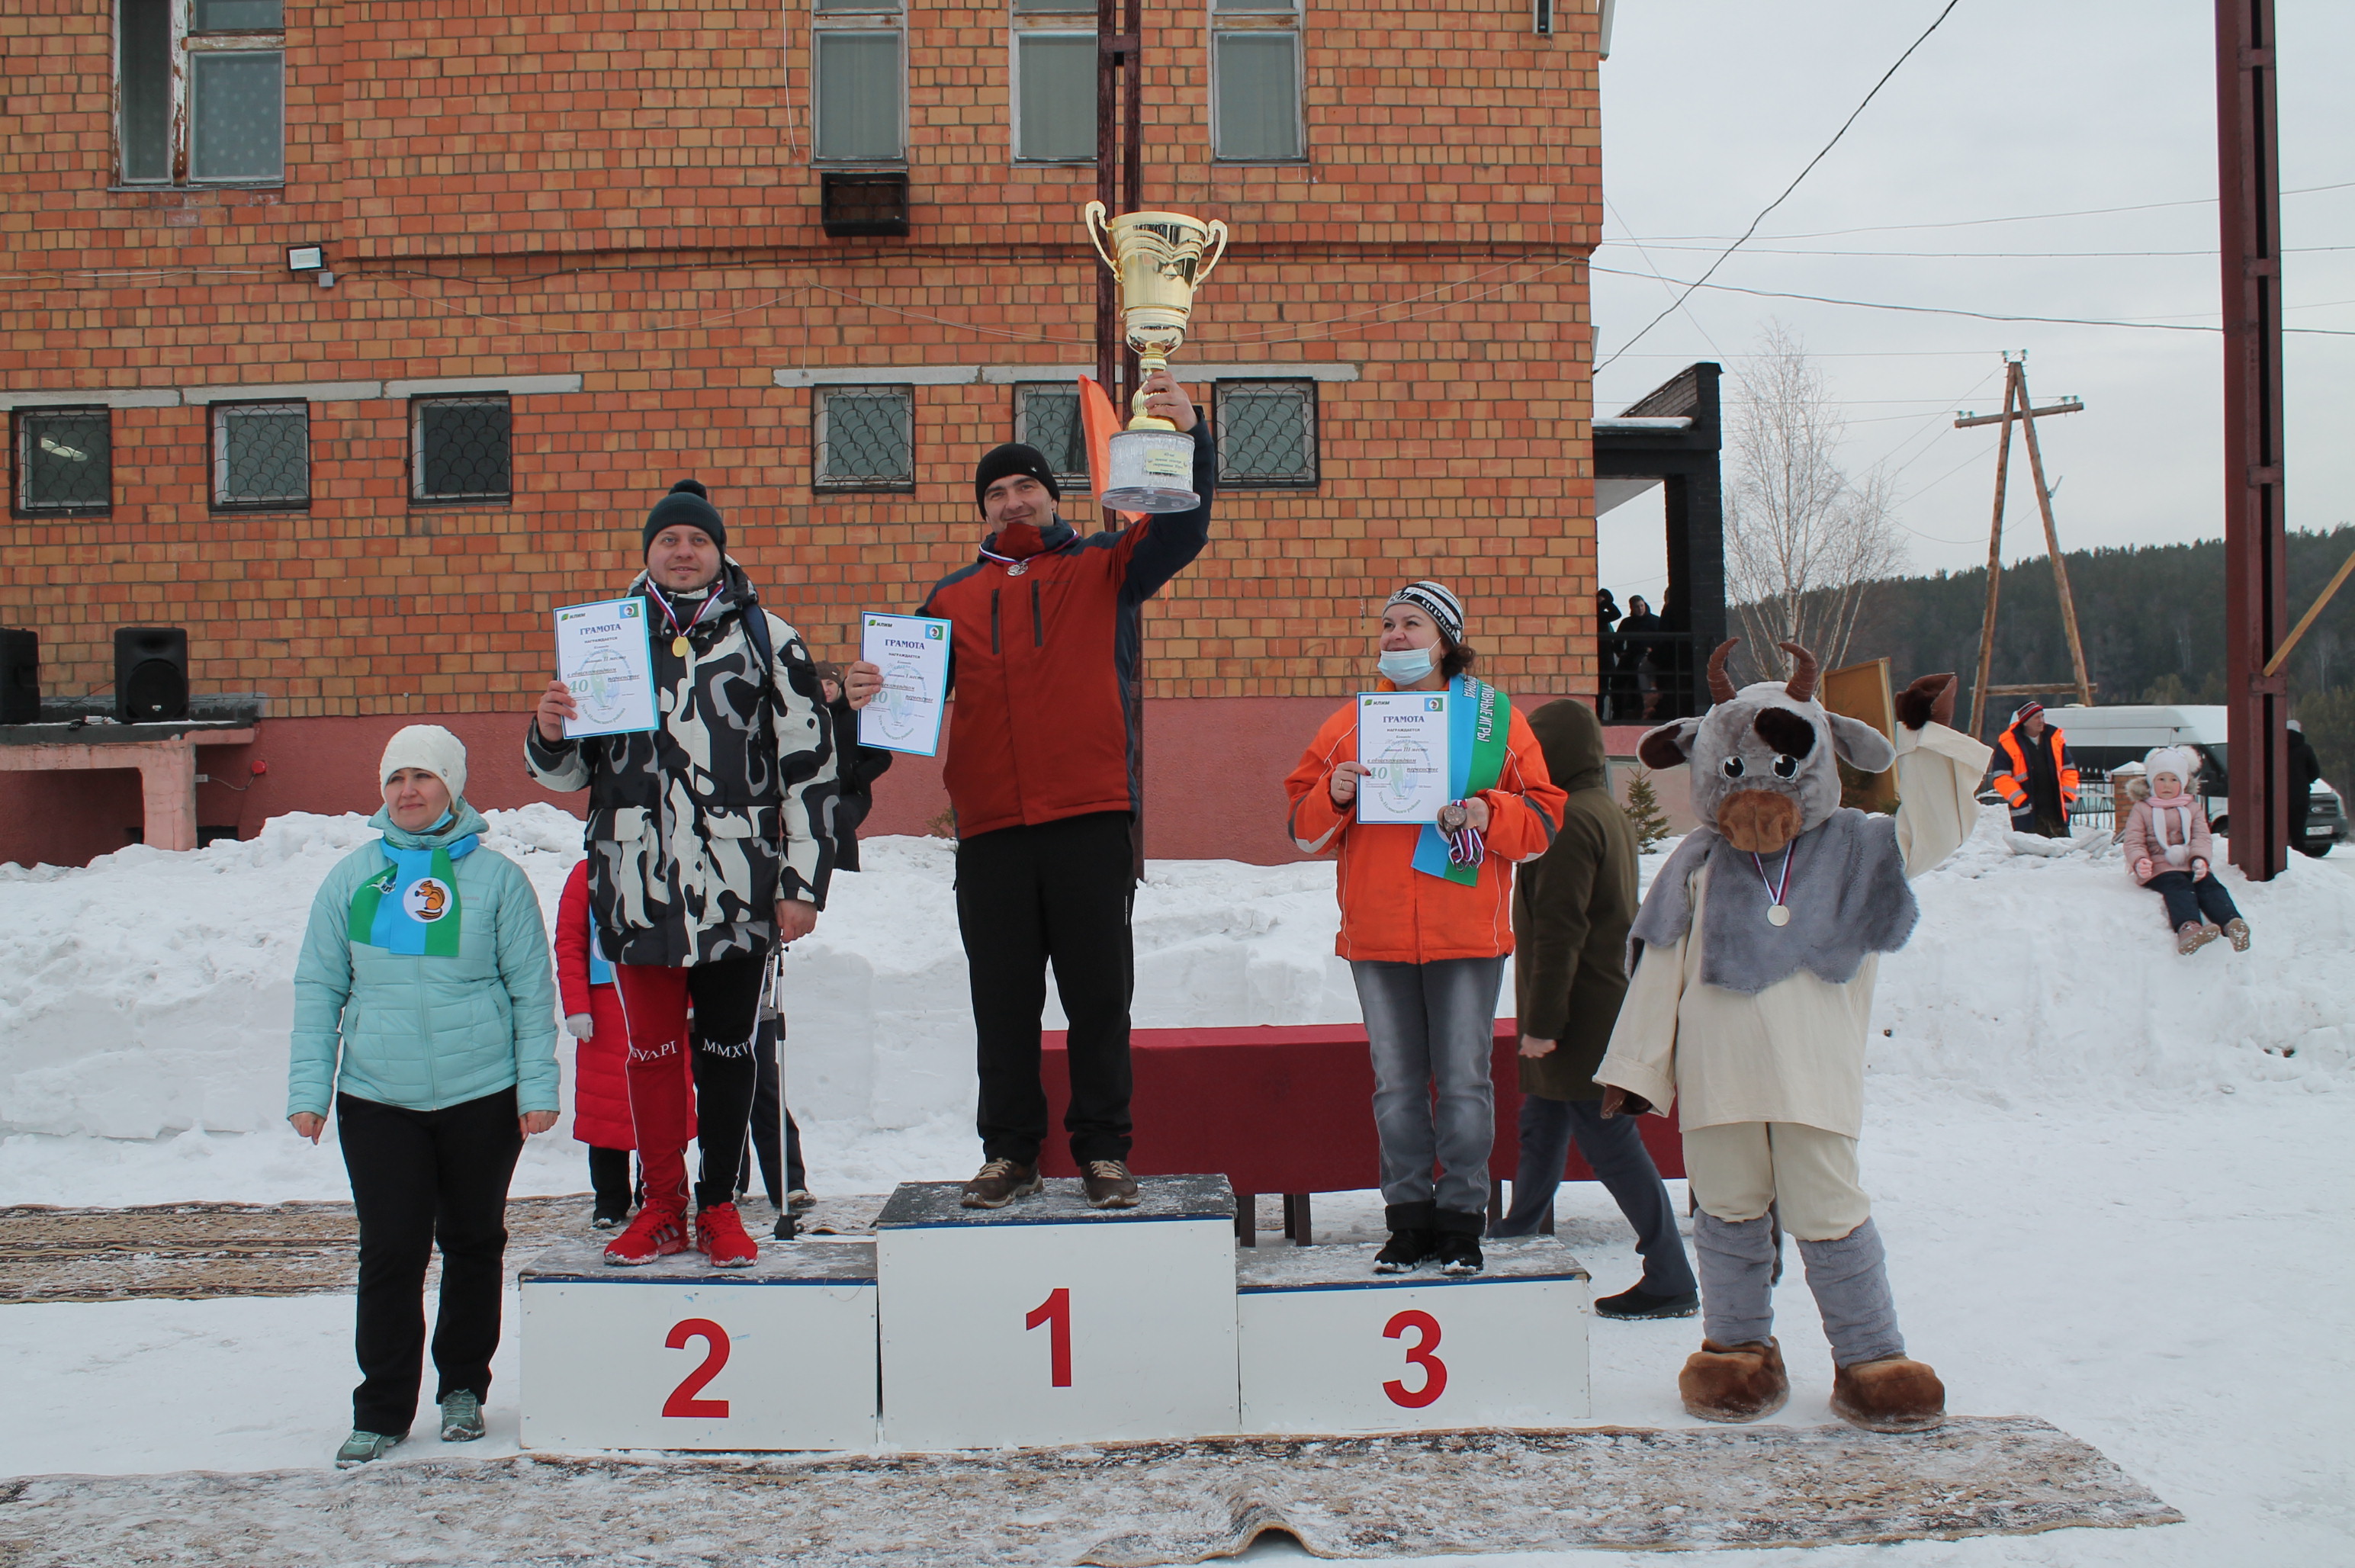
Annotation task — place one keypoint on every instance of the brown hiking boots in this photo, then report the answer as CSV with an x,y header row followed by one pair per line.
x,y
1896,1394
1735,1382
1000,1182
1108,1184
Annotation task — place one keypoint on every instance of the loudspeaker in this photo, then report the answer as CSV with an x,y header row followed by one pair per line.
x,y
151,674
20,675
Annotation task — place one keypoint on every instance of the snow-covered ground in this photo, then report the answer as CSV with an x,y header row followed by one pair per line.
x,y
2116,1183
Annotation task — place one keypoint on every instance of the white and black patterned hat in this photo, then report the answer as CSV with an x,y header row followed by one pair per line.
x,y
1434,600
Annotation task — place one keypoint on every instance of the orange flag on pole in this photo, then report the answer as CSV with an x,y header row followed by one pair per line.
x,y
1098,420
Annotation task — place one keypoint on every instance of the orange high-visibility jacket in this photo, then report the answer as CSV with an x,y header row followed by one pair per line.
x,y
1388,909
2011,779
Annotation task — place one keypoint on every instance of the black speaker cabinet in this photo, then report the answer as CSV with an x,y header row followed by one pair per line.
x,y
151,674
20,675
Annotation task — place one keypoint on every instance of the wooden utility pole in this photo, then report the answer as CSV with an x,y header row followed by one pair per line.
x,y
2256,583
2017,408
1120,186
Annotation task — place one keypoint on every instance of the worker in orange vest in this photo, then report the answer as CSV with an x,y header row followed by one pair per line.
x,y
2038,781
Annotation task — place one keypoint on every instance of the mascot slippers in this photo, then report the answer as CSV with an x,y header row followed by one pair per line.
x,y
1751,970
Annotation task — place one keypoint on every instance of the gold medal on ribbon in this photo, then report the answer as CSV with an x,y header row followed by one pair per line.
x,y
678,646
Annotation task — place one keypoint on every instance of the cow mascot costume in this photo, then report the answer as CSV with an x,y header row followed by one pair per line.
x,y
1751,968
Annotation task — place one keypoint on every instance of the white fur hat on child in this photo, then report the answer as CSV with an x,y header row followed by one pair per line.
x,y
430,747
2180,761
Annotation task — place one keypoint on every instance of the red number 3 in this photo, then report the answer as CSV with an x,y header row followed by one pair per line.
x,y
682,1400
1435,1371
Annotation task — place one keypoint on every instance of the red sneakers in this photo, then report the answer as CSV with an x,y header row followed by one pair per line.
x,y
720,1236
656,1233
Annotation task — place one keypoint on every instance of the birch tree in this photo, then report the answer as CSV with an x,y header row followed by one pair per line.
x,y
1803,539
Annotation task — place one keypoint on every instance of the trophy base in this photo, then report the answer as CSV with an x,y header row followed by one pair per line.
x,y
1151,471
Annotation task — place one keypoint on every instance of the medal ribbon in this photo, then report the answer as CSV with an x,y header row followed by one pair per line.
x,y
678,632
1775,890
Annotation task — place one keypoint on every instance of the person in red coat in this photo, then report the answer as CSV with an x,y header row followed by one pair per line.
x,y
593,1018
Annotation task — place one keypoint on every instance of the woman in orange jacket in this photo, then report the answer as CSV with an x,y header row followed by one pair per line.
x,y
1426,923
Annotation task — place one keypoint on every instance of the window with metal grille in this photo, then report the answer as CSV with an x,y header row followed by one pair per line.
x,y
200,92
1267,434
858,77
1047,416
262,454
1054,95
64,461
1255,114
460,449
866,438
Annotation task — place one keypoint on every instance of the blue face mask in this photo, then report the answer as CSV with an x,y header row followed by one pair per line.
x,y
1406,667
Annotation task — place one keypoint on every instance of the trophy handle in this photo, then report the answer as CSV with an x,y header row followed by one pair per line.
x,y
1219,232
1092,219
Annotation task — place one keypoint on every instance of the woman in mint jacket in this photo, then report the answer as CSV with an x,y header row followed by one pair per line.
x,y
425,1010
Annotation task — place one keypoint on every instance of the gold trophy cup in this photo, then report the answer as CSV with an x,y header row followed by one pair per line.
x,y
1158,259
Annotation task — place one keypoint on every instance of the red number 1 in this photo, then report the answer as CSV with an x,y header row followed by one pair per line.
x,y
1435,1371
1056,1313
682,1400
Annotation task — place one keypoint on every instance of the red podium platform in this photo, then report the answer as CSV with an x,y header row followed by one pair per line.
x,y
1286,1108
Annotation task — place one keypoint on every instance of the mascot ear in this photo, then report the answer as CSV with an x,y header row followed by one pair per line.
x,y
1668,746
1859,745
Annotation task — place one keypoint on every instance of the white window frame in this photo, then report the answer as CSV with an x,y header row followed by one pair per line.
x,y
862,16
218,417
418,498
1291,21
186,45
1038,24
867,484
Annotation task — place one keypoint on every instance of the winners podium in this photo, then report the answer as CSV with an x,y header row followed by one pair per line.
x,y
1042,1323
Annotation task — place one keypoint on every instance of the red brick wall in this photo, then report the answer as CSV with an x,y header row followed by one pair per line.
x,y
624,194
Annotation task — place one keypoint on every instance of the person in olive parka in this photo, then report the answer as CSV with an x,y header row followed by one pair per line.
x,y
1572,909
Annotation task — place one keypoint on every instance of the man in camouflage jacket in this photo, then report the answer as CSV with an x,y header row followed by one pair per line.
x,y
707,849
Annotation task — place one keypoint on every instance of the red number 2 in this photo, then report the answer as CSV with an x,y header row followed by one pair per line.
x,y
1435,1371
1056,1313
682,1400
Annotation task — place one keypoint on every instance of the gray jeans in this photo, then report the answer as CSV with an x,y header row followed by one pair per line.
x,y
1433,1024
1621,1164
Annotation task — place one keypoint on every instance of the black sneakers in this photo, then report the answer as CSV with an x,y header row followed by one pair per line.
x,y
1459,1254
1635,1303
1406,1250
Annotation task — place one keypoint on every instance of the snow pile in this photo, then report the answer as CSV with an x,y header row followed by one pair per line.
x,y
148,995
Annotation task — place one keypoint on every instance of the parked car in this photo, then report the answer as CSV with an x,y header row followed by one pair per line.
x,y
2100,739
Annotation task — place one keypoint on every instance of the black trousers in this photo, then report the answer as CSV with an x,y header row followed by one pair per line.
x,y
610,1180
2189,902
1057,893
421,1177
770,1110
726,998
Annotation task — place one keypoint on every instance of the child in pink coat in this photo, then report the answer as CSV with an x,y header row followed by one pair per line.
x,y
2169,851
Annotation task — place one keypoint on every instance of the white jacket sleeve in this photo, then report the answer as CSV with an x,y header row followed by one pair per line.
x,y
1938,773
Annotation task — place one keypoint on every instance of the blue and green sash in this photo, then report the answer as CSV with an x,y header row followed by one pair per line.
x,y
1480,722
412,906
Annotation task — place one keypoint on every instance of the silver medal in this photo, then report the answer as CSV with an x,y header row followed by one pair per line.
x,y
1778,914
1018,568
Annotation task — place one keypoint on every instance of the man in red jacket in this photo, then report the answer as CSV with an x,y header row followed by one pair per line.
x,y
1042,771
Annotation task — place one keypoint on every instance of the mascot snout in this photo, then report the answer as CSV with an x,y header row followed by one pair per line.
x,y
1759,821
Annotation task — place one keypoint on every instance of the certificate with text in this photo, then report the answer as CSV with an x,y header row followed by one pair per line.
x,y
1402,737
912,651
605,654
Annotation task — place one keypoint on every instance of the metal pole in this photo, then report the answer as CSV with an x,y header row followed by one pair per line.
x,y
1107,189
2052,542
1995,554
2256,588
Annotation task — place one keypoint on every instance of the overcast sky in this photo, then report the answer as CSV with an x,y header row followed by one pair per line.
x,y
2012,107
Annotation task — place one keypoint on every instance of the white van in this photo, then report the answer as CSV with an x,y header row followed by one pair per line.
x,y
2100,739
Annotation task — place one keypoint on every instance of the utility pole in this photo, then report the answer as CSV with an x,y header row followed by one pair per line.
x,y
2018,408
1120,180
2256,585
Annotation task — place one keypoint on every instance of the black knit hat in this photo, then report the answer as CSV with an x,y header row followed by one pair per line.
x,y
687,506
1013,458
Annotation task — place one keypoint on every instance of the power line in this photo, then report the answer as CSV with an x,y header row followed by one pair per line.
x,y
1934,25
2013,218
2209,253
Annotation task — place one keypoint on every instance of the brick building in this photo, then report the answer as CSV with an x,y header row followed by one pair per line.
x,y
577,251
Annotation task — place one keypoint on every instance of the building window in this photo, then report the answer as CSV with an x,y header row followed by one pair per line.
x,y
461,449
201,90
857,77
1054,96
64,462
1255,85
262,455
866,438
1047,416
1267,434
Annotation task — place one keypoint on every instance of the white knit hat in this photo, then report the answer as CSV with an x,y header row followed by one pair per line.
x,y
2180,761
430,747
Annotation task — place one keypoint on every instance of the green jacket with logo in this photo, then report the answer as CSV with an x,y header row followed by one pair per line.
x,y
418,1031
